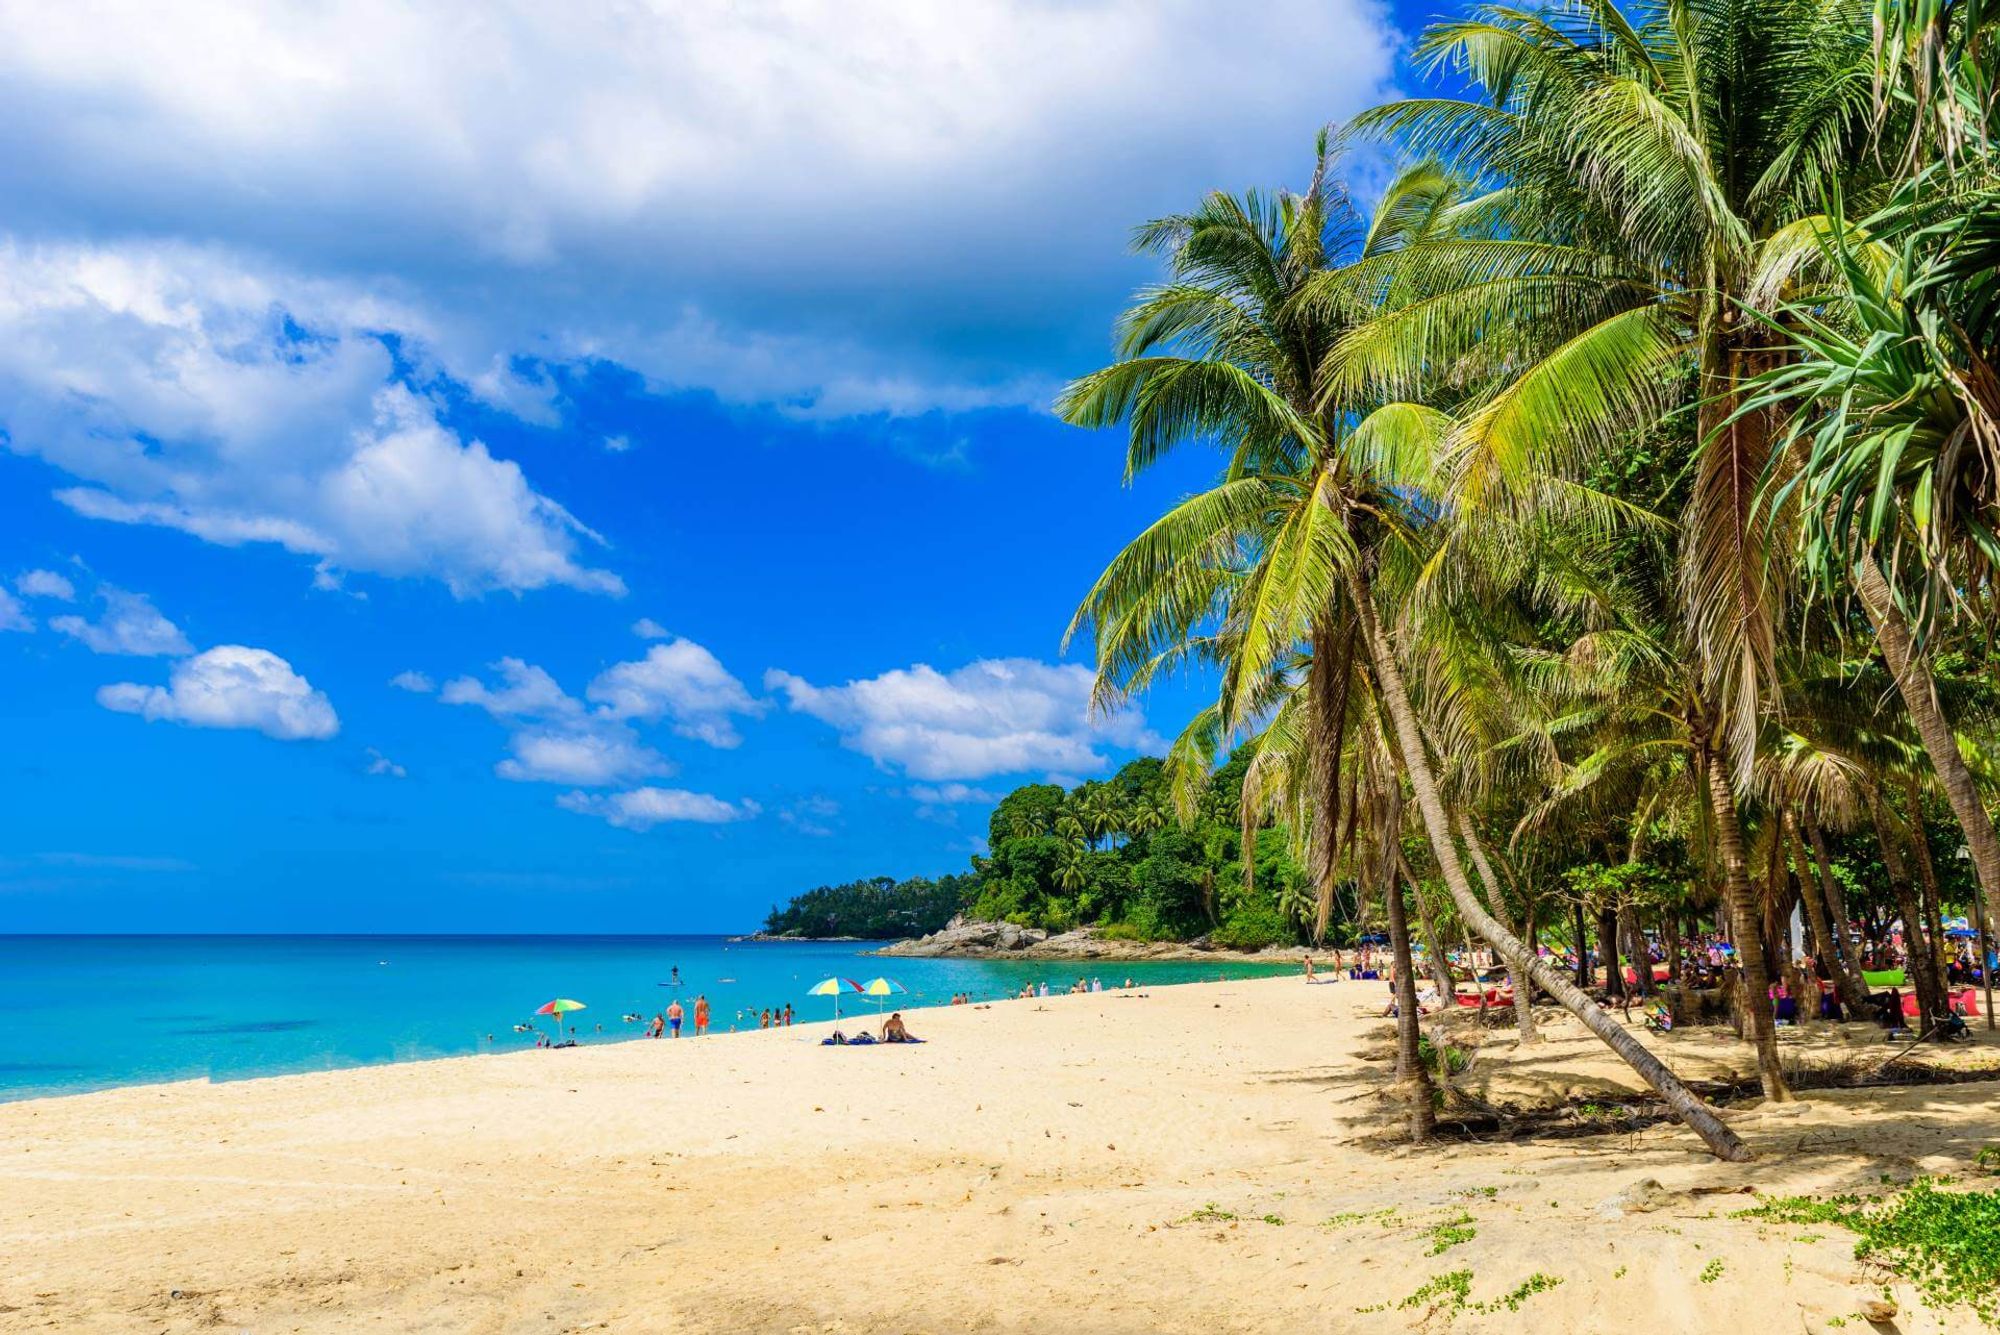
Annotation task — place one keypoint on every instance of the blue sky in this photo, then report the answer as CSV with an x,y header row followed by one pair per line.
x,y
529,471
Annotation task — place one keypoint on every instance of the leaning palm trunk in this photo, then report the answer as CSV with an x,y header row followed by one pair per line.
x,y
1411,1072
1836,907
1912,670
1922,964
1328,682
1920,850
1524,1002
1434,960
1746,928
1829,934
1395,698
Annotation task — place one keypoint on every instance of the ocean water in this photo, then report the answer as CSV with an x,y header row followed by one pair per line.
x,y
90,1012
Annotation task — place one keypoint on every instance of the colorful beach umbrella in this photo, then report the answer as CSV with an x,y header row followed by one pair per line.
x,y
833,987
558,1008
883,987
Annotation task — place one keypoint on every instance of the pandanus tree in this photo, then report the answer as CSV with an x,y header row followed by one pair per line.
x,y
1319,494
1891,482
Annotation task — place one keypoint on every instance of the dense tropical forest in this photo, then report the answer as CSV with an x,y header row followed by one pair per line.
x,y
1607,514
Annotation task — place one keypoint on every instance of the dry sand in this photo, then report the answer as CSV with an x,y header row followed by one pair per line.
x,y
1058,1165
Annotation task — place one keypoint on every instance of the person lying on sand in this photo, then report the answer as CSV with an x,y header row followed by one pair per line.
x,y
894,1031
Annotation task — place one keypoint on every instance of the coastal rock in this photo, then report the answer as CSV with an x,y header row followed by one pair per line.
x,y
973,940
960,937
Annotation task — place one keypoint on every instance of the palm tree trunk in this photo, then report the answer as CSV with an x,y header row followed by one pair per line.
x,y
1912,670
1854,987
1584,975
1613,950
1395,699
1433,943
1524,1003
1916,947
1410,1069
1829,926
1331,669
1636,951
1920,846
1747,928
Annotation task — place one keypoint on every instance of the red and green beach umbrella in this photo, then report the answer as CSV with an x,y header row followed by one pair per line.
x,y
558,1008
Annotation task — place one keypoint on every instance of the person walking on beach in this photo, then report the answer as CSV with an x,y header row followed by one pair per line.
x,y
788,1015
674,1014
700,1016
1309,968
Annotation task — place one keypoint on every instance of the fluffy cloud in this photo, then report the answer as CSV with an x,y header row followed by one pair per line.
x,y
648,629
130,625
231,686
12,615
995,716
186,389
772,202
589,751
46,584
680,681
643,808
555,738
950,794
413,681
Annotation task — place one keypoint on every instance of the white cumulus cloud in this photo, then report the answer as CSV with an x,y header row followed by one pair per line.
x,y
12,615
130,625
413,681
188,390
679,681
46,584
994,716
648,629
643,808
772,202
231,686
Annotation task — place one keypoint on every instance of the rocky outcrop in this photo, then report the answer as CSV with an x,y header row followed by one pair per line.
x,y
959,937
1006,940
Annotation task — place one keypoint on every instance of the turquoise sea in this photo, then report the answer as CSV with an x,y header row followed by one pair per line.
x,y
88,1012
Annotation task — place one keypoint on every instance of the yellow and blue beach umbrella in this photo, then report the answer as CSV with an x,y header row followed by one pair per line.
x,y
883,987
833,987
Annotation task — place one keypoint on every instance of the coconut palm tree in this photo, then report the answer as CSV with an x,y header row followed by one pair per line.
x,y
1653,163
1321,497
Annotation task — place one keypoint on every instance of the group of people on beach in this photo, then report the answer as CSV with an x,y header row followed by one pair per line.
x,y
669,1021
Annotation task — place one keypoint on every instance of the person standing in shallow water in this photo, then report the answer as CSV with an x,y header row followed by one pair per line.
x,y
674,1016
700,1016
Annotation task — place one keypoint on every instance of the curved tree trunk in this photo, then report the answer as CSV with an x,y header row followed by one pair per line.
x,y
1920,848
1410,1069
1434,960
1829,934
1332,668
1747,930
1395,699
1922,964
1524,1002
1912,670
1836,905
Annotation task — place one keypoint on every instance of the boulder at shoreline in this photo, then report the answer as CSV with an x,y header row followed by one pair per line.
x,y
965,939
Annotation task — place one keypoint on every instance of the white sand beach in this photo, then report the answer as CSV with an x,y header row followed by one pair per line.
x,y
1214,1157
